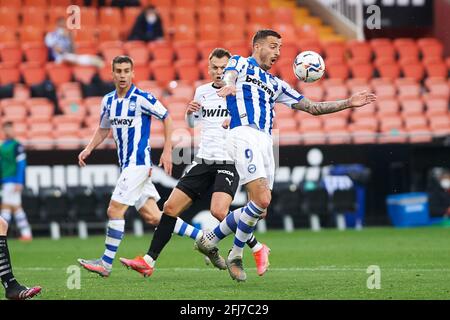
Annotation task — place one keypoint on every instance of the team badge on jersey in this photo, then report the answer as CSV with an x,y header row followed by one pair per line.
x,y
251,168
132,105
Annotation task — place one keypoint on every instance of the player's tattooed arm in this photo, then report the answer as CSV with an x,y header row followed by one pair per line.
x,y
317,108
229,88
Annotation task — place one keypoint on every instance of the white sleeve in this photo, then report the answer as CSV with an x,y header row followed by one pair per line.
x,y
151,106
288,95
195,116
105,123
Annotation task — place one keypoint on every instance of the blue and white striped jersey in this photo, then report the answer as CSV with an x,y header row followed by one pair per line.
x,y
130,120
256,94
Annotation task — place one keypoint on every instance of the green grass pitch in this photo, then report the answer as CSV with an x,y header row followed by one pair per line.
x,y
414,264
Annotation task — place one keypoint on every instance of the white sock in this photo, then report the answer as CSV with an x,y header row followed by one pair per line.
x,y
149,260
184,229
114,236
22,223
6,214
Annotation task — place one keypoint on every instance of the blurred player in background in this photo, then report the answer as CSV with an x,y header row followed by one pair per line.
x,y
127,111
13,290
12,170
212,167
251,92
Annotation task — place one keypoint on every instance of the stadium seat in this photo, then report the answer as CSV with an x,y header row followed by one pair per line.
x,y
73,107
336,91
140,55
436,107
163,72
21,91
40,128
440,125
438,87
260,14
237,47
105,33
184,32
360,50
208,32
411,107
151,86
32,73
308,123
16,112
388,69
208,15
84,74
110,17
383,87
284,69
34,16
234,15
436,70
86,34
337,70
9,74
361,70
110,53
186,50
141,73
181,90
335,50
161,51
313,91
89,17
35,52
384,51
105,74
206,47
130,15
58,73
366,111
9,17
406,88
57,12
31,34
309,45
232,32
412,69
11,53
183,16
387,107
41,110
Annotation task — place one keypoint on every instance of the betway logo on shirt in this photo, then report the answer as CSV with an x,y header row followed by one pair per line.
x,y
215,112
260,84
125,122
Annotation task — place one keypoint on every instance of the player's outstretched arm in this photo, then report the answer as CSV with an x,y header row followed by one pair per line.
x,y
317,108
99,136
166,157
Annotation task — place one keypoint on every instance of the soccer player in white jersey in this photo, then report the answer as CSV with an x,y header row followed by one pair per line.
x,y
251,93
212,167
127,111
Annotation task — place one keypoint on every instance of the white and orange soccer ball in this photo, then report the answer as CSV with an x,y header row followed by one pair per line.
x,y
308,66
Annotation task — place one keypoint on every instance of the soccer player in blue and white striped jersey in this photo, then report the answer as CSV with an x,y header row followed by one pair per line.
x,y
251,93
128,112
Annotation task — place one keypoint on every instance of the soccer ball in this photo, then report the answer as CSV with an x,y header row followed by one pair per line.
x,y
308,66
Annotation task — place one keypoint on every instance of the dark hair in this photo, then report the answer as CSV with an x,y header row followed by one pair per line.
x,y
122,59
263,34
7,124
219,53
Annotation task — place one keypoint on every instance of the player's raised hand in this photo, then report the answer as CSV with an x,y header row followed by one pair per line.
x,y
193,106
166,162
362,98
226,91
83,156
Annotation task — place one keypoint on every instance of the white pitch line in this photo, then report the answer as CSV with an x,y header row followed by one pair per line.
x,y
324,268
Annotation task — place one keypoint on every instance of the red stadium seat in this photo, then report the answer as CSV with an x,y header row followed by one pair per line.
x,y
366,111
206,47
360,50
357,84
11,53
386,69
58,73
84,74
438,86
383,87
412,69
60,3
364,123
313,91
232,32
88,17
436,107
40,109
387,107
208,32
362,70
187,70
407,87
436,70
335,50
440,125
109,53
412,107
32,73
9,17
31,34
105,33
186,50
140,55
60,12
161,51
163,72
237,47
89,35
260,15
9,74
141,73
21,91
337,70
364,136
234,15
208,15
309,45
34,16
130,15
183,16
184,32
35,52
110,17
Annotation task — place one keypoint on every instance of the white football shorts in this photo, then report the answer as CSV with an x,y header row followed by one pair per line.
x,y
252,152
11,197
134,187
